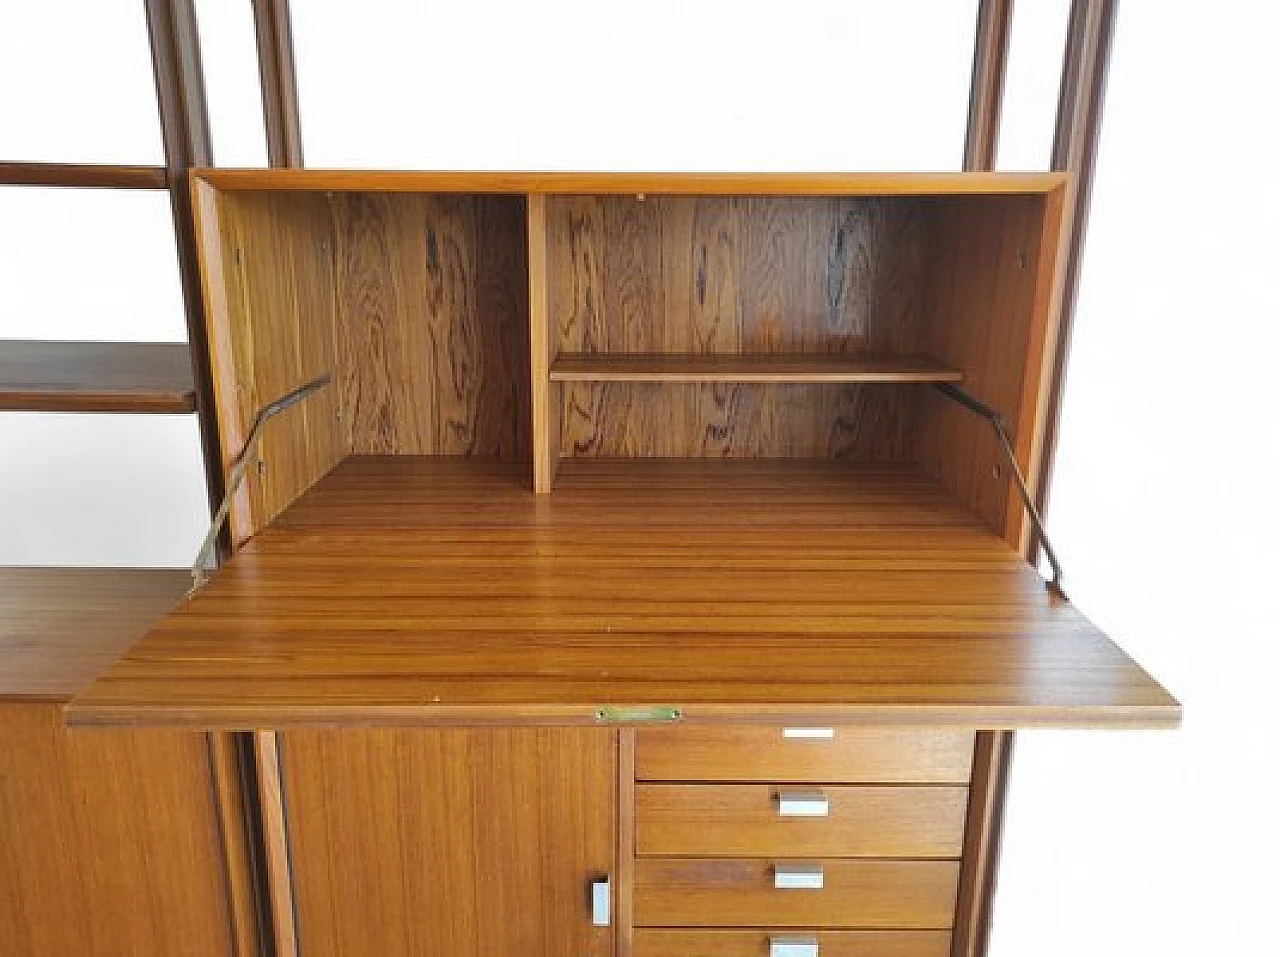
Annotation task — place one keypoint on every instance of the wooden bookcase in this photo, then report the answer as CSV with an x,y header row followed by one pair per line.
x,y
652,439
630,512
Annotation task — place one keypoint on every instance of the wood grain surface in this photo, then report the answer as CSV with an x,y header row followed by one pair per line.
x,y
152,377
475,843
705,942
771,275
268,276
699,892
992,316
743,820
784,184
658,367
846,756
108,841
60,627
434,338
92,175
417,590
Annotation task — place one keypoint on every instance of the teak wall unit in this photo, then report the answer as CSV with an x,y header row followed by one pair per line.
x,y
629,557
682,817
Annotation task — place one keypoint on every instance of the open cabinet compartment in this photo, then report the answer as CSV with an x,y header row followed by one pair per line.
x,y
533,325
415,304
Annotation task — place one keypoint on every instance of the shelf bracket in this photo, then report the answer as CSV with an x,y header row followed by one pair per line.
x,y
240,465
1000,425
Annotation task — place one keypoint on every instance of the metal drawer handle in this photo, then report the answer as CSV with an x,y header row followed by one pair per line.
x,y
812,734
600,903
793,947
798,877
803,804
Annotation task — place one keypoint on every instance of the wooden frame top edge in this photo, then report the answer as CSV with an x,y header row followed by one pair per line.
x,y
673,183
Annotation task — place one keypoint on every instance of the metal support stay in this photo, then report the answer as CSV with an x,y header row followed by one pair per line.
x,y
1000,426
240,465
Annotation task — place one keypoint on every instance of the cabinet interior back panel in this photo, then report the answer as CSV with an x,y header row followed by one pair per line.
x,y
433,323
737,274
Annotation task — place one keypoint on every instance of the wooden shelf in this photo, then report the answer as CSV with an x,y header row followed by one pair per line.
x,y
408,590
37,376
654,367
59,627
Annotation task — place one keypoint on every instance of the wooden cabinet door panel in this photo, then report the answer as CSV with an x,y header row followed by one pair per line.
x,y
108,841
472,843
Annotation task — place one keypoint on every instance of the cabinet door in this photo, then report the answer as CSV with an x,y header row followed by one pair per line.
x,y
108,841
458,842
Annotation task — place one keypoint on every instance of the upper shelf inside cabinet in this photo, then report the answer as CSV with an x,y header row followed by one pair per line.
x,y
763,368
41,376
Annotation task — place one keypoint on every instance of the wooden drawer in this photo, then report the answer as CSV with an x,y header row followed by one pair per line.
x,y
754,820
656,942
826,755
900,895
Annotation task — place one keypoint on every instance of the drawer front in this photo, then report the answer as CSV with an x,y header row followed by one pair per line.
x,y
763,820
899,895
831,755
654,942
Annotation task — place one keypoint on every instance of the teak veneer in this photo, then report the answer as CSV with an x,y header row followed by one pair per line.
x,y
404,590
109,842
630,508
150,377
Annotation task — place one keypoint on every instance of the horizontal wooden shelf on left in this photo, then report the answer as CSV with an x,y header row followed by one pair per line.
x,y
45,376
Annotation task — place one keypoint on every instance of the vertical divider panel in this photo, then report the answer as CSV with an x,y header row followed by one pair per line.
x,y
546,398
624,880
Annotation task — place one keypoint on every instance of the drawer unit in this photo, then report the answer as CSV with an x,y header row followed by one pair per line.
x,y
781,942
890,894
765,820
825,755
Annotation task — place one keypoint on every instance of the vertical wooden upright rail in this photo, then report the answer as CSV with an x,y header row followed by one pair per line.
x,y
993,750
279,82
1085,65
184,128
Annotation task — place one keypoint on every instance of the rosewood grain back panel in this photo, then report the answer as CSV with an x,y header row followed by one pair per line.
x,y
433,326
736,274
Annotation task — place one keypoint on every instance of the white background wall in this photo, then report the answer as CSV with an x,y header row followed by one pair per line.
x,y
1164,507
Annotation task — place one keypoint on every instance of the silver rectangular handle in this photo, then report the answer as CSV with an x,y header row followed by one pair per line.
x,y
803,804
793,947
797,877
600,899
812,734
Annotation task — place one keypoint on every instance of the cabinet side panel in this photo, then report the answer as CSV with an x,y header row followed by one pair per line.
x,y
989,318
434,328
278,333
108,841
737,275
467,842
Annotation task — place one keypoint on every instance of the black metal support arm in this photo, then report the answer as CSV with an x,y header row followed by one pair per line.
x,y
1000,426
